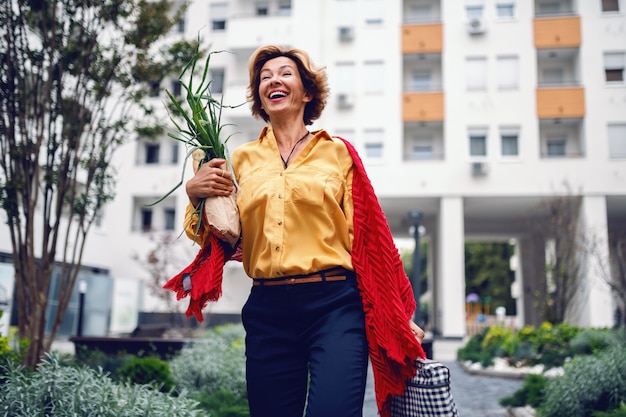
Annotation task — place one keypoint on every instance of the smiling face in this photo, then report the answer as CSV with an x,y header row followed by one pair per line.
x,y
280,88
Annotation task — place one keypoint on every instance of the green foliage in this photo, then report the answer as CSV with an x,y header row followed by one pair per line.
x,y
55,389
473,351
617,412
147,370
212,364
589,383
592,341
488,272
223,403
531,393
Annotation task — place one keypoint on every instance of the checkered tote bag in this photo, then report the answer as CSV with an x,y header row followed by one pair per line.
x,y
428,394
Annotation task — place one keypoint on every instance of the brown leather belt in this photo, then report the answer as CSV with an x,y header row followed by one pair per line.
x,y
318,277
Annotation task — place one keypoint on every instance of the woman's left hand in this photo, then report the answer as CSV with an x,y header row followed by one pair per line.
x,y
417,331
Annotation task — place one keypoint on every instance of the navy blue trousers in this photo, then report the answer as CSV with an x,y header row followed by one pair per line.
x,y
306,348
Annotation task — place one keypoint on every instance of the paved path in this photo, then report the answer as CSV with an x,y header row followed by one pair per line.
x,y
475,396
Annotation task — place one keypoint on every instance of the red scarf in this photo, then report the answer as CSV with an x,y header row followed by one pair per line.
x,y
388,300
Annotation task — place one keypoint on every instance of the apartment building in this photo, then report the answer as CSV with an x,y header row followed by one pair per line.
x,y
472,112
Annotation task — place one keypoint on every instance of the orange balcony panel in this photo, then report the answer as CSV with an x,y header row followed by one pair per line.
x,y
421,39
560,102
557,32
422,107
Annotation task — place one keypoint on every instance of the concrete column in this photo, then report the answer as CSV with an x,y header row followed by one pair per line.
x,y
532,256
596,303
451,263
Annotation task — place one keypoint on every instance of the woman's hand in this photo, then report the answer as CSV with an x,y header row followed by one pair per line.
x,y
417,331
210,181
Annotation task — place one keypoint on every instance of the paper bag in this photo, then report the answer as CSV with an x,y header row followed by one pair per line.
x,y
221,212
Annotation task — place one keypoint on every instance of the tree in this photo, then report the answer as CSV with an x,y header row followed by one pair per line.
x,y
73,77
488,274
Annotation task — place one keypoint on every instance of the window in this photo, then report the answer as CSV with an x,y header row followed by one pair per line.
x,y
374,140
478,144
610,5
617,140
614,67
374,77
175,153
217,80
170,218
552,76
345,12
421,148
474,8
549,8
347,134
155,88
345,78
146,219
420,80
474,11
374,150
419,13
152,153
181,25
218,13
373,10
505,8
556,145
508,72
284,8
476,73
262,9
509,141
177,88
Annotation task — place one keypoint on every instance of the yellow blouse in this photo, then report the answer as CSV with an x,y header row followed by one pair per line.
x,y
295,220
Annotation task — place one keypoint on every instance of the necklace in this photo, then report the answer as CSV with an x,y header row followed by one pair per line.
x,y
286,161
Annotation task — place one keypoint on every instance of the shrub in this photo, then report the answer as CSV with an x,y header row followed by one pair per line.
x,y
147,370
473,350
224,403
215,363
617,412
589,383
58,390
592,341
531,393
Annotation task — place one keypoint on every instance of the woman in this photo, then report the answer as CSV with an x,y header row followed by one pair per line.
x,y
319,301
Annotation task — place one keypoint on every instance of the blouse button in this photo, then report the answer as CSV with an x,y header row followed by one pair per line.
x,y
280,222
280,196
277,248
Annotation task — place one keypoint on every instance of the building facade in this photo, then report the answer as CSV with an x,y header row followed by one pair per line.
x,y
473,112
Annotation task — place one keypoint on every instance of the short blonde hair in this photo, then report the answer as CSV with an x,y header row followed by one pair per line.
x,y
314,80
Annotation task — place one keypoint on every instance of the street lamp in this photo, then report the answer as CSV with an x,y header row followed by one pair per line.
x,y
82,290
415,216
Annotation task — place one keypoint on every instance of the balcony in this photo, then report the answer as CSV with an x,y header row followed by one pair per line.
x,y
423,106
561,139
557,32
248,33
423,141
422,38
560,102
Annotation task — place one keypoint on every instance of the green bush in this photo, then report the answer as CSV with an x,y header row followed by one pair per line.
x,y
531,393
617,412
147,370
589,383
592,341
63,391
215,363
474,352
224,403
